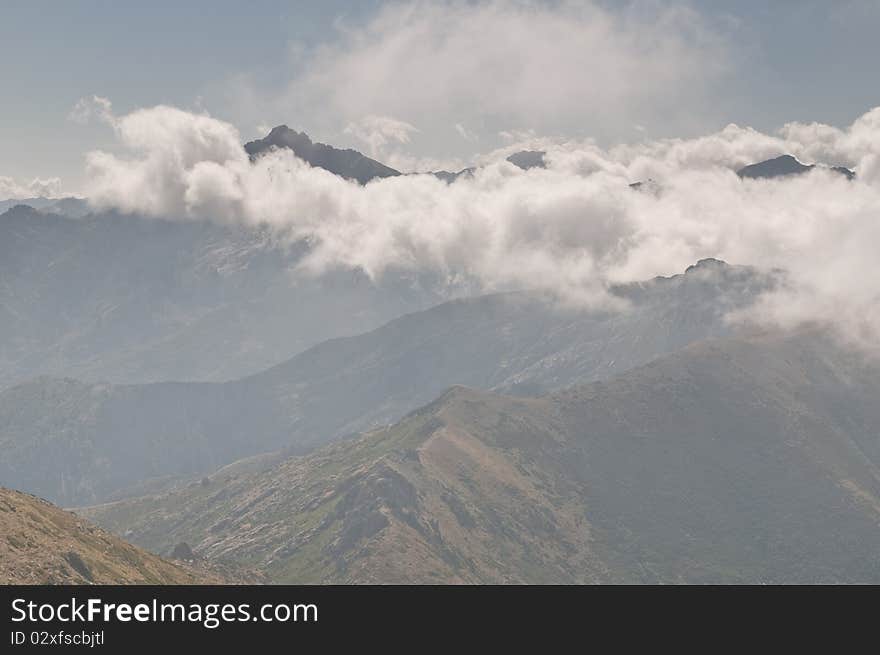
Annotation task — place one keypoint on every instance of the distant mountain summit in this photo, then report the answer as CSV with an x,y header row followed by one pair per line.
x,y
524,159
348,163
353,165
527,159
707,264
450,177
782,166
69,206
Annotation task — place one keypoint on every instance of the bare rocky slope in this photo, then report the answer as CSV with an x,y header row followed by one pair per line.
x,y
43,544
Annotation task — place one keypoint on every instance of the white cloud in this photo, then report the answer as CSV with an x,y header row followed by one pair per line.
x,y
92,107
574,228
517,136
818,142
377,132
464,133
11,188
173,155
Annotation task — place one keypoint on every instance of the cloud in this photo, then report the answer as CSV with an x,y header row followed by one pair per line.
x,y
856,145
36,188
558,67
175,158
379,131
464,133
574,228
91,107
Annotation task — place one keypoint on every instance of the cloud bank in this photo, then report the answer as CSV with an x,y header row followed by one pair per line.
x,y
10,188
573,228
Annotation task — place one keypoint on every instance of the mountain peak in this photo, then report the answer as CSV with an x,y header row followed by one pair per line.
x,y
785,165
527,159
709,267
348,163
775,167
707,263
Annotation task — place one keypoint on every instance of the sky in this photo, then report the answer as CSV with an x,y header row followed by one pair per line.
x,y
428,85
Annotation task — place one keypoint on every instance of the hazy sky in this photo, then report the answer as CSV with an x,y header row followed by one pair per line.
x,y
429,83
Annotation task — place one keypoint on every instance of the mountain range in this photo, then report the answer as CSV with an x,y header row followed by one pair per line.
x,y
353,165
75,442
178,384
70,206
737,460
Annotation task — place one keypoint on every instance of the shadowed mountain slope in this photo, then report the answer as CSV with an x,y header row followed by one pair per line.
x,y
131,299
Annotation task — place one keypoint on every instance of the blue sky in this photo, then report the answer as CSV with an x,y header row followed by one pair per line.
x,y
243,62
